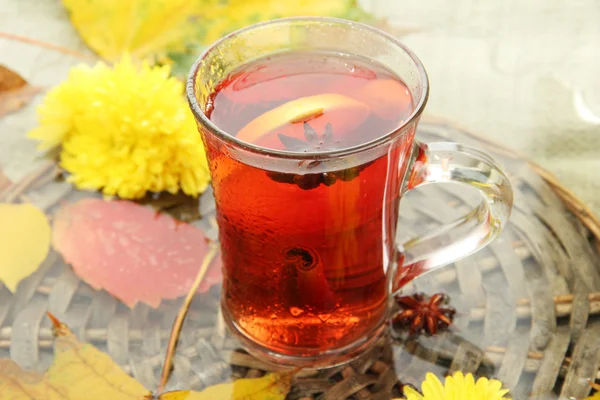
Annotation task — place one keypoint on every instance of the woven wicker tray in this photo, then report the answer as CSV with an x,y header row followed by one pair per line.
x,y
527,305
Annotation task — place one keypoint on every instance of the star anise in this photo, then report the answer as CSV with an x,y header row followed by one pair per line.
x,y
423,315
314,142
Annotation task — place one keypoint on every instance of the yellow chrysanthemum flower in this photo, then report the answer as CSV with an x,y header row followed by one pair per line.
x,y
457,387
125,130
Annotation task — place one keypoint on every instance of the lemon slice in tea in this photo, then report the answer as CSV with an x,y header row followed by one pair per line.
x,y
341,112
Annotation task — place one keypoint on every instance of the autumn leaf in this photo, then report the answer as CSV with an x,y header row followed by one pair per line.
x,y
153,28
222,19
219,18
273,386
143,28
131,251
80,371
15,92
10,80
24,242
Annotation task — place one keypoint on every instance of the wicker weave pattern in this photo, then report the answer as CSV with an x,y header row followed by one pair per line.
x,y
527,304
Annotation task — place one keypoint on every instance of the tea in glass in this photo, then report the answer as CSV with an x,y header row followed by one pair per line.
x,y
305,264
309,129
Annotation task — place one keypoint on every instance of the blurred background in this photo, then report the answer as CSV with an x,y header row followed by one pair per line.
x,y
522,73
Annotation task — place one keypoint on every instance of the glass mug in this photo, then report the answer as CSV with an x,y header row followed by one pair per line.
x,y
310,262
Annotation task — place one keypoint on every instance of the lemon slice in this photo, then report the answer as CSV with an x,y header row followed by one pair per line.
x,y
342,112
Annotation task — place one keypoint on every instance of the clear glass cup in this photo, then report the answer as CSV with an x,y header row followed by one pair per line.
x,y
323,326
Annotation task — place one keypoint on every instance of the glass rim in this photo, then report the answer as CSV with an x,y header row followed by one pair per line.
x,y
231,139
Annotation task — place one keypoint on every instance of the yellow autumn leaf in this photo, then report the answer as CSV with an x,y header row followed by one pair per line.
x,y
239,13
141,27
273,386
24,242
151,28
80,371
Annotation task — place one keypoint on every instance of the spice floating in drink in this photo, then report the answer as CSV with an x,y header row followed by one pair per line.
x,y
313,142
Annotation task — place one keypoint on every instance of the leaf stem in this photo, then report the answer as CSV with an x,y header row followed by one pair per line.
x,y
40,43
177,325
11,193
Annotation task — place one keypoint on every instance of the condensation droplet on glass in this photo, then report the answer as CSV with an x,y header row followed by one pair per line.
x,y
296,312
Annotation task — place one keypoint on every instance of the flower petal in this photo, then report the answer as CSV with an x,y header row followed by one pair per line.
x,y
125,130
433,388
412,394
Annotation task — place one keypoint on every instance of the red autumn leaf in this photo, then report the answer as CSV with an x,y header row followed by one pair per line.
x,y
131,251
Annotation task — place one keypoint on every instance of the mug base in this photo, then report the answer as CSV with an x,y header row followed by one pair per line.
x,y
325,359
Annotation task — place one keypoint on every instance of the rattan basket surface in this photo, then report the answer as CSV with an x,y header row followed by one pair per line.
x,y
527,305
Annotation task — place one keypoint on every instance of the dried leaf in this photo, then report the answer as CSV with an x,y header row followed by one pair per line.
x,y
10,80
131,251
79,371
24,242
273,386
15,92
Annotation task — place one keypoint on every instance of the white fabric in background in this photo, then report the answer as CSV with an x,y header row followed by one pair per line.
x,y
523,73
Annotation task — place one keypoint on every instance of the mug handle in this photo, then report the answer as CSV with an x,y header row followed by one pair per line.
x,y
456,163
